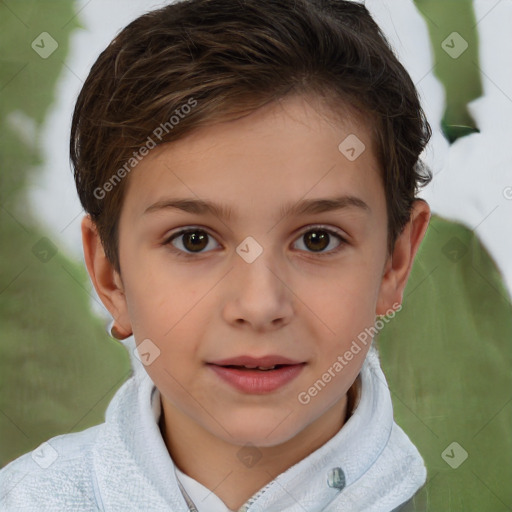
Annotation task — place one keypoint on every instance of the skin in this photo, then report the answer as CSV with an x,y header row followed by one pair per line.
x,y
290,300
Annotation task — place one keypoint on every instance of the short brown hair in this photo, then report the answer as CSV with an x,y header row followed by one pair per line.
x,y
231,57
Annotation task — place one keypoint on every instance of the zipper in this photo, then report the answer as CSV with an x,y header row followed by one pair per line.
x,y
190,504
244,508
247,505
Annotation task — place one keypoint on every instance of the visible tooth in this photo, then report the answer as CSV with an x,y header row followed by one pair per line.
x,y
249,367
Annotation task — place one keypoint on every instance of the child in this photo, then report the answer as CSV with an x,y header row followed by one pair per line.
x,y
249,172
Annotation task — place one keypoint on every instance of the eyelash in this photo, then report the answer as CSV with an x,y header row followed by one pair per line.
x,y
319,227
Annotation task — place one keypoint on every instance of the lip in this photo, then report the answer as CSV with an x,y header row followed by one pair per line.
x,y
257,381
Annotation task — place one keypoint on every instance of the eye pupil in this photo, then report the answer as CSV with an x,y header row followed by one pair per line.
x,y
197,241
322,239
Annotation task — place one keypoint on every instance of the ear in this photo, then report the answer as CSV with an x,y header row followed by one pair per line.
x,y
105,278
399,263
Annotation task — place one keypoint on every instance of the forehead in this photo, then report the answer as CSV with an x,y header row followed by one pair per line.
x,y
285,152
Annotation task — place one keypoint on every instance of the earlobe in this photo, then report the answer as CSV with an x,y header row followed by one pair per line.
x,y
105,279
399,264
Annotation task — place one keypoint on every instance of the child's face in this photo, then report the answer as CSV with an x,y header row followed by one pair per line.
x,y
223,302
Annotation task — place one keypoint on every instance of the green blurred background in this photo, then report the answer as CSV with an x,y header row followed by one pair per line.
x,y
447,355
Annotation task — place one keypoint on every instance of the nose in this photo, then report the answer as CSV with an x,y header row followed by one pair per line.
x,y
259,295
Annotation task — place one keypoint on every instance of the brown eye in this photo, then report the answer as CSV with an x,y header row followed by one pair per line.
x,y
193,241
317,240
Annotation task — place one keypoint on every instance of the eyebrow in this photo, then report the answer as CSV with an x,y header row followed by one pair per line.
x,y
302,207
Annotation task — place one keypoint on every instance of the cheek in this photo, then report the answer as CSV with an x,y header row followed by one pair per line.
x,y
168,301
155,296
345,302
355,283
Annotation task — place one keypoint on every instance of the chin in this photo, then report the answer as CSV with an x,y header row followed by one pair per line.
x,y
264,432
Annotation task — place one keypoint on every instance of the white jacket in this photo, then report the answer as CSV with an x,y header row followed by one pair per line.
x,y
123,464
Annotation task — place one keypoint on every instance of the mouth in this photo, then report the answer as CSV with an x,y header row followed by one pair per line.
x,y
252,379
